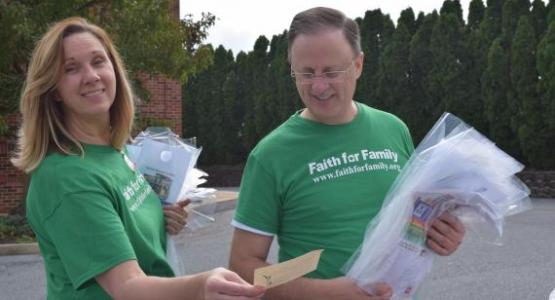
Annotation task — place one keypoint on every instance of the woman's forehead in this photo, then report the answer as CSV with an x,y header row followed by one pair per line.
x,y
82,43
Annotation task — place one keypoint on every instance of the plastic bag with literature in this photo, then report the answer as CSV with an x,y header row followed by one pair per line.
x,y
167,162
453,169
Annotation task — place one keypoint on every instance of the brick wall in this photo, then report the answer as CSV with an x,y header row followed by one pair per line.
x,y
164,103
12,181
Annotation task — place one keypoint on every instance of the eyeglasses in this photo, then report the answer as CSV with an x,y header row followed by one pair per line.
x,y
326,77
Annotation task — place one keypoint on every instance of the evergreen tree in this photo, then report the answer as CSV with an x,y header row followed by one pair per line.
x,y
231,150
456,74
209,109
278,82
545,64
371,35
512,11
539,17
476,12
487,73
388,30
189,94
394,91
452,7
524,79
256,123
216,146
491,25
496,82
419,21
550,12
480,36
449,84
244,100
421,61
407,19
197,108
476,65
287,99
523,69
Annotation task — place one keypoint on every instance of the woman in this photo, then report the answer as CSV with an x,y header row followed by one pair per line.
x,y
99,225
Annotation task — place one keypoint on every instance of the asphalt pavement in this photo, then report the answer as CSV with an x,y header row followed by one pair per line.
x,y
522,269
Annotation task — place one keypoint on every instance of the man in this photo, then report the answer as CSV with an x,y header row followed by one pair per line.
x,y
318,179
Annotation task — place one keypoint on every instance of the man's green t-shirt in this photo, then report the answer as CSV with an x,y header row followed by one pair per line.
x,y
90,214
317,186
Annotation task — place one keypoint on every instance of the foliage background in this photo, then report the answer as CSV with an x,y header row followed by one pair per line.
x,y
146,33
496,71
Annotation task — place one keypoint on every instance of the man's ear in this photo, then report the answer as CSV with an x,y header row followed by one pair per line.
x,y
359,62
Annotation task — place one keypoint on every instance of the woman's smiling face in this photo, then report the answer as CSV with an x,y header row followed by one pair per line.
x,y
87,84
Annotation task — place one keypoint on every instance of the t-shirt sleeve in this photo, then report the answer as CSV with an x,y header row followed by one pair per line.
x,y
259,200
89,236
409,144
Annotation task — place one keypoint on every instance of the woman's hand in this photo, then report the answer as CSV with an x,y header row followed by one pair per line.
x,y
224,284
176,216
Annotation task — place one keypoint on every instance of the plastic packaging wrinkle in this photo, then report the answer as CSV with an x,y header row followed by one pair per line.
x,y
454,169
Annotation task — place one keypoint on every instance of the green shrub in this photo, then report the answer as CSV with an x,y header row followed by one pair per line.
x,y
14,228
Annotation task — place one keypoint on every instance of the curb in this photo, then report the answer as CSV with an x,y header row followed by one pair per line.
x,y
225,200
19,249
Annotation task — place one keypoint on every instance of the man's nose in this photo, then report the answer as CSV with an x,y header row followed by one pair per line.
x,y
319,84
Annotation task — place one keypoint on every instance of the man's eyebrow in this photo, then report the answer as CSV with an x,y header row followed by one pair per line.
x,y
311,70
306,69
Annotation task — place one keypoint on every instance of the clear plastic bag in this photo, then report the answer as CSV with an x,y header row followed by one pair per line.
x,y
454,169
167,162
173,258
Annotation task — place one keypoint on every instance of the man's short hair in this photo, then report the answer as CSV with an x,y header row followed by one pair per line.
x,y
316,19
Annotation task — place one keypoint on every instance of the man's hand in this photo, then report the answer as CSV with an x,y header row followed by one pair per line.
x,y
445,234
176,216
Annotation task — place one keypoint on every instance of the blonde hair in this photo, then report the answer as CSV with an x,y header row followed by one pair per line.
x,y
43,127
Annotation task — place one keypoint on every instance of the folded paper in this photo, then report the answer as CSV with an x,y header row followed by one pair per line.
x,y
278,274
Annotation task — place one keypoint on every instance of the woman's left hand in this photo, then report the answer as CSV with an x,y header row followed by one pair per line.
x,y
176,216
